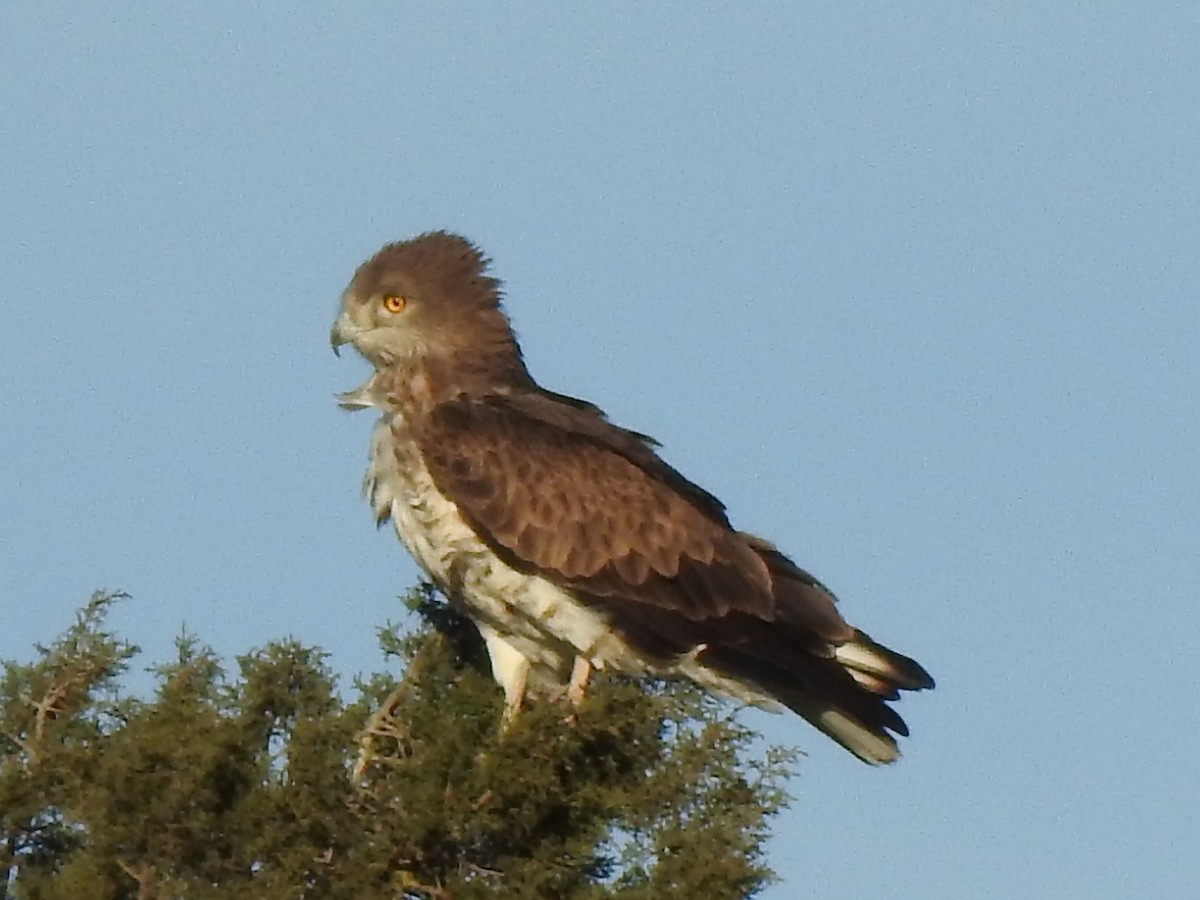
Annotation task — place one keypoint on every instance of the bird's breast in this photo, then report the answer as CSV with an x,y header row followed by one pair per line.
x,y
541,619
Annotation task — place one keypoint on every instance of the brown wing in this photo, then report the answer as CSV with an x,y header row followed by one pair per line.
x,y
557,489
554,488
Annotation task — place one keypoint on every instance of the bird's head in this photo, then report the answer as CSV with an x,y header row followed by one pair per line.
x,y
426,304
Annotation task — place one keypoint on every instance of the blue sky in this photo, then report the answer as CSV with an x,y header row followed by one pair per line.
x,y
912,287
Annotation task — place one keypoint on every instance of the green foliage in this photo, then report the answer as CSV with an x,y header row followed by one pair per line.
x,y
269,785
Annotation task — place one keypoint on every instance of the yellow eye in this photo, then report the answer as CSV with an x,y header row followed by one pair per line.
x,y
394,303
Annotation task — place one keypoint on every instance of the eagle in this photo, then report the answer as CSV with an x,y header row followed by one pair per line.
x,y
567,539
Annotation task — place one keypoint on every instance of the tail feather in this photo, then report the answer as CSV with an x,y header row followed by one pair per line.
x,y
844,695
875,684
860,722
841,681
875,666
804,656
872,745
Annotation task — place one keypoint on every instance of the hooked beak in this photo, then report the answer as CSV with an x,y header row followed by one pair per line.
x,y
342,332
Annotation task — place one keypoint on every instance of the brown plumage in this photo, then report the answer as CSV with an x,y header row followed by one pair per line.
x,y
564,535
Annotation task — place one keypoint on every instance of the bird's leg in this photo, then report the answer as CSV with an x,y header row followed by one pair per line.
x,y
581,671
510,669
514,694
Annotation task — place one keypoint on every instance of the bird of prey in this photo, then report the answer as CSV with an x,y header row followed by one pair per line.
x,y
567,540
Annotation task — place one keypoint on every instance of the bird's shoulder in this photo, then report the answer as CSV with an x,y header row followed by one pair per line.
x,y
515,432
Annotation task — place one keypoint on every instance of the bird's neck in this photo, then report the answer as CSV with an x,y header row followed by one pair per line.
x,y
417,386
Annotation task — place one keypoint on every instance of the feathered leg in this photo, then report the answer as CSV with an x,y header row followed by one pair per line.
x,y
511,671
581,672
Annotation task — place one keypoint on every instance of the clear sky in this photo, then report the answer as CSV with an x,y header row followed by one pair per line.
x,y
912,287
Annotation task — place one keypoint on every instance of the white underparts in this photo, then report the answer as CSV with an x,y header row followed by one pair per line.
x,y
522,617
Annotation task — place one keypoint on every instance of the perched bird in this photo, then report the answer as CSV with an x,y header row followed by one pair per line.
x,y
566,538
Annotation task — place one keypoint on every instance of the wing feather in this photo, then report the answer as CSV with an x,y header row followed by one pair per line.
x,y
559,490
555,489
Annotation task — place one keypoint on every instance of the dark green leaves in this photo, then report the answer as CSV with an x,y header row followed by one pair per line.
x,y
271,784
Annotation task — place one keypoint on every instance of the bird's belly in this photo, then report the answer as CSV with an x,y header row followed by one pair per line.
x,y
542,620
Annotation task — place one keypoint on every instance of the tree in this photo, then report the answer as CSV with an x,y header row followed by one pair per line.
x,y
268,784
